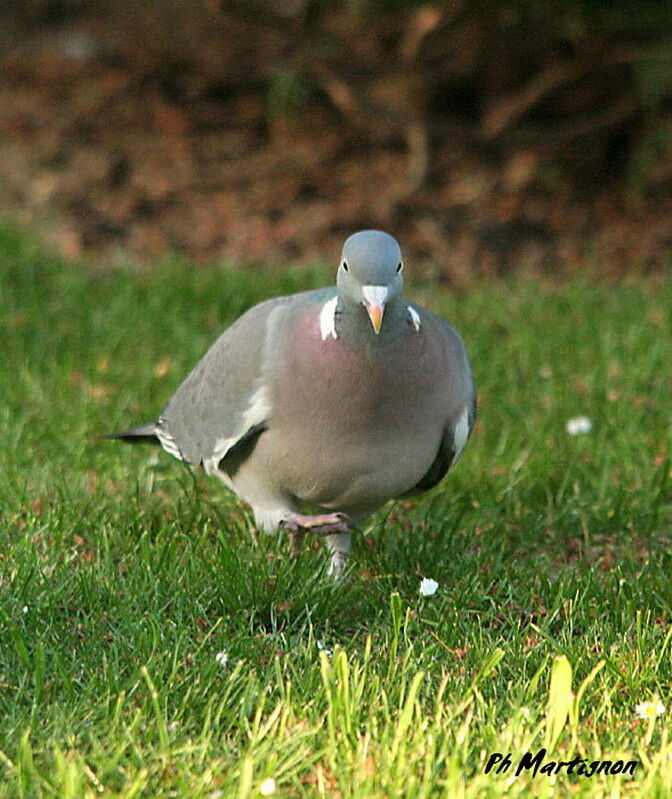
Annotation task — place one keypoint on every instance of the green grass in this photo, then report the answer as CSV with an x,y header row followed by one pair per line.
x,y
122,574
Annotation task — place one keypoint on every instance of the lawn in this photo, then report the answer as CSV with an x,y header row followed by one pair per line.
x,y
152,645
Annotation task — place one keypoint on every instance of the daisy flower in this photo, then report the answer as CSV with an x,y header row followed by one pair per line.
x,y
428,586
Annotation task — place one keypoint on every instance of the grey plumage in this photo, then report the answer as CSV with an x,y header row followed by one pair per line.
x,y
337,399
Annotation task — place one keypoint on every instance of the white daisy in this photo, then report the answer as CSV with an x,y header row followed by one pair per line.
x,y
650,710
579,425
267,787
428,587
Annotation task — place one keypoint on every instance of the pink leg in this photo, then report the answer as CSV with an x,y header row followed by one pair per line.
x,y
324,524
335,527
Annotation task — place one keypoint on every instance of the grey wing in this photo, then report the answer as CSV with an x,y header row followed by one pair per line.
x,y
208,411
461,403
224,399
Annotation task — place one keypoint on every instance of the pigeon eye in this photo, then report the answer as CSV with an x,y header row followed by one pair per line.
x,y
400,267
345,266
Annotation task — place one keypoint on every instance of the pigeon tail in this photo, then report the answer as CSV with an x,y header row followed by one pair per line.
x,y
143,434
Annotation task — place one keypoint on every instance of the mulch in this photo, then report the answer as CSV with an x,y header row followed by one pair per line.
x,y
101,159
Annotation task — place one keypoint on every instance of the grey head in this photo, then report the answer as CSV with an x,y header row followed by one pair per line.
x,y
369,274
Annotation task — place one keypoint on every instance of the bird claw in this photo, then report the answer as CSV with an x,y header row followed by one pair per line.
x,y
336,529
324,524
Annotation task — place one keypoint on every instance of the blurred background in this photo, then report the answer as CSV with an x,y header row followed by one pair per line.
x,y
488,136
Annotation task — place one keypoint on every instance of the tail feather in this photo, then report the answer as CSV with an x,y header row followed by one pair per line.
x,y
143,434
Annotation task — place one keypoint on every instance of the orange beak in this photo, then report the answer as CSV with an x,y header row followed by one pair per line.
x,y
375,298
375,313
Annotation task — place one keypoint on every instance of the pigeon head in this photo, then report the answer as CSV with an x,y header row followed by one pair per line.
x,y
370,273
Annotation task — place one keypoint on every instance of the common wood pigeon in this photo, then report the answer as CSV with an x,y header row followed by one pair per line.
x,y
319,407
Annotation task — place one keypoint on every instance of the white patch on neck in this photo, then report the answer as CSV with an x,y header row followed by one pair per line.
x,y
328,319
461,434
256,412
415,317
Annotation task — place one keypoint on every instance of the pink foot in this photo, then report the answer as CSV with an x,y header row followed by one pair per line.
x,y
336,529
324,524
